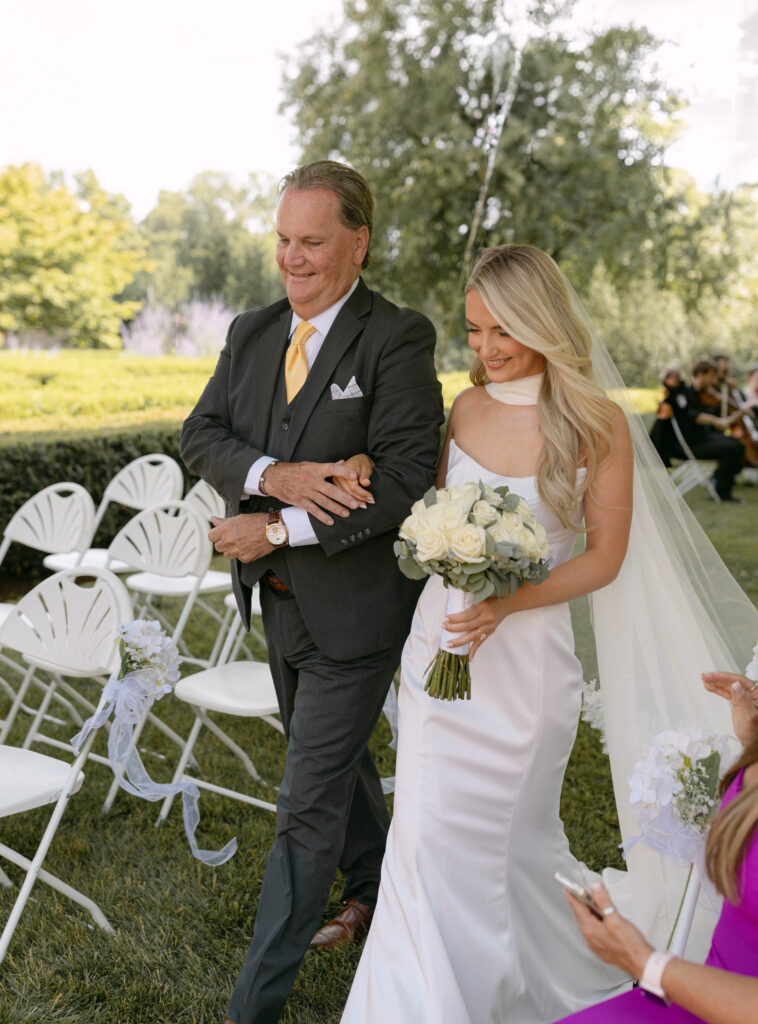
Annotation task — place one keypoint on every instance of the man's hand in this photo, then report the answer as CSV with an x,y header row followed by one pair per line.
x,y
306,485
242,537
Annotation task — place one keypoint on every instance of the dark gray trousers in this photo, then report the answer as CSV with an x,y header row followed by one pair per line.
x,y
330,810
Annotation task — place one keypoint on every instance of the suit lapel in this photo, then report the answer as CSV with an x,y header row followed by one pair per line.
x,y
266,363
350,321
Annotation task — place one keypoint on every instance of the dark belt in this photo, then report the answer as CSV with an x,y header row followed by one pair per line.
x,y
275,583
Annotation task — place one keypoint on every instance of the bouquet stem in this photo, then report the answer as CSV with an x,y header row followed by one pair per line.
x,y
449,677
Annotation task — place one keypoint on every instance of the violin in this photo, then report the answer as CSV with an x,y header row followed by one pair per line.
x,y
724,403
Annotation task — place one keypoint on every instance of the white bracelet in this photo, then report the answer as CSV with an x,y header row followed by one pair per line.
x,y
652,973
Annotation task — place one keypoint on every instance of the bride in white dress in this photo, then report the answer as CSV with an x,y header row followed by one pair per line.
x,y
470,927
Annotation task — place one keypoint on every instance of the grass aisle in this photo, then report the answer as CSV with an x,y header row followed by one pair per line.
x,y
181,928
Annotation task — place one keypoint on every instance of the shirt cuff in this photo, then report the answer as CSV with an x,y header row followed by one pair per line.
x,y
254,474
299,527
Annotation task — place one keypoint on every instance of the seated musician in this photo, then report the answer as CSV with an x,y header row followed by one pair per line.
x,y
705,428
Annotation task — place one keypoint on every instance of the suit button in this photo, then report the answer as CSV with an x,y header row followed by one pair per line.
x,y
367,531
285,424
343,541
351,538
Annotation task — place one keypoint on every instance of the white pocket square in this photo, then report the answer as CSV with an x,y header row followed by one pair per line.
x,y
352,390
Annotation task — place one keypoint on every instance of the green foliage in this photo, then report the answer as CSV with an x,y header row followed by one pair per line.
x,y
213,241
70,390
407,91
63,258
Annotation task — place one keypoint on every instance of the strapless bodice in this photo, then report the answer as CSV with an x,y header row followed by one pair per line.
x,y
463,469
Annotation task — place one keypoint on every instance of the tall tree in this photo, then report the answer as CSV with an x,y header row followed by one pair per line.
x,y
64,258
213,241
408,91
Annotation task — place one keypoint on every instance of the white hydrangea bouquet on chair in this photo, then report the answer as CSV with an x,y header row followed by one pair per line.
x,y
674,791
483,542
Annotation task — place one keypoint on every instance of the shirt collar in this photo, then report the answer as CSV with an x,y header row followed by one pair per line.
x,y
324,320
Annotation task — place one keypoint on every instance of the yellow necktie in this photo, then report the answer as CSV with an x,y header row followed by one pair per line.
x,y
296,361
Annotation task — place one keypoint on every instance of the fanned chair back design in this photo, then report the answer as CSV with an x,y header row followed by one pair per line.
x,y
71,629
60,517
205,500
147,480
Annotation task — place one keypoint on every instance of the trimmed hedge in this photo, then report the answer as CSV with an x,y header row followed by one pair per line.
x,y
87,458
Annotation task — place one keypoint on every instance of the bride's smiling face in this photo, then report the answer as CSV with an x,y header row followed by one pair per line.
x,y
503,357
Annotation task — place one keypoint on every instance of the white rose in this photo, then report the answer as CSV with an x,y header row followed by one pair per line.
x,y
409,528
446,517
431,542
529,544
543,544
503,529
483,513
464,495
523,510
418,508
468,543
490,495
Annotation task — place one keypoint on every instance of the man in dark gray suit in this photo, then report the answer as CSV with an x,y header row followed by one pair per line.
x,y
332,370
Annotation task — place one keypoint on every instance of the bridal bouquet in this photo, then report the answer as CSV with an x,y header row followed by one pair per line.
x,y
674,788
483,542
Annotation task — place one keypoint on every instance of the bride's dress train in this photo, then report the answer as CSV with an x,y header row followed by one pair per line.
x,y
470,927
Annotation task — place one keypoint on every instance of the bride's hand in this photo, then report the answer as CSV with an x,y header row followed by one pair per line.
x,y
477,623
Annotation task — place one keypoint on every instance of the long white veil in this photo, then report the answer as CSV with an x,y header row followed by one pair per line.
x,y
673,611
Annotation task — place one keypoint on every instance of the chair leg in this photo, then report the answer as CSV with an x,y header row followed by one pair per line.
x,y
37,721
181,765
4,880
20,694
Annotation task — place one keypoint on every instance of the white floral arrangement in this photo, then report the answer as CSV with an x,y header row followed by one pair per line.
x,y
674,790
752,670
145,648
483,542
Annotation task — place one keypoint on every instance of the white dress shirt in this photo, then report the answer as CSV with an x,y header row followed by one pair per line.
x,y
296,519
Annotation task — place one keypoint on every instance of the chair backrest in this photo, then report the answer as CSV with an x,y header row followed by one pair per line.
x,y
146,481
170,539
205,500
70,621
59,518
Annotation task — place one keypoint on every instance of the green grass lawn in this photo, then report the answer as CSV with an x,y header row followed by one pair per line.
x,y
182,929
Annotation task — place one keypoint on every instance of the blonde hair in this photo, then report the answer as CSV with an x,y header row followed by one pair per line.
x,y
733,830
529,297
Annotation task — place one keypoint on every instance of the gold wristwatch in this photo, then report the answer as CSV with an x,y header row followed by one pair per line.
x,y
276,531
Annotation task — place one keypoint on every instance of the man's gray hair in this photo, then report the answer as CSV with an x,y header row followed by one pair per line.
x,y
356,201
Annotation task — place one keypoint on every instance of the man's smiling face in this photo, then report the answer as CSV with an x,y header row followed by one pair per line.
x,y
319,257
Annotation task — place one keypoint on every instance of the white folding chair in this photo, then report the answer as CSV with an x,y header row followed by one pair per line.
x,y
60,517
71,630
145,481
691,472
205,500
244,689
169,544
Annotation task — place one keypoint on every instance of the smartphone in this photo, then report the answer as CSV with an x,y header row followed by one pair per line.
x,y
580,893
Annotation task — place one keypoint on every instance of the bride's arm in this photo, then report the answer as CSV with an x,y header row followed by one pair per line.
x,y
607,516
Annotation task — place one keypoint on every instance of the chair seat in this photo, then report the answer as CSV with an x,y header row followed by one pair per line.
x,y
29,779
255,601
243,688
178,586
93,558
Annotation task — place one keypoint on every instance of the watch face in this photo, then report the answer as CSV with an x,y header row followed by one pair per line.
x,y
276,533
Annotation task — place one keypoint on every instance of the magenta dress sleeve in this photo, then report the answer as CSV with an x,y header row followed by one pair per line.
x,y
734,948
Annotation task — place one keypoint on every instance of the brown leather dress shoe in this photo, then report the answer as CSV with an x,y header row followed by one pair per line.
x,y
348,926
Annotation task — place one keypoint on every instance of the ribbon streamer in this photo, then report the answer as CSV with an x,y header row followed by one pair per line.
x,y
130,697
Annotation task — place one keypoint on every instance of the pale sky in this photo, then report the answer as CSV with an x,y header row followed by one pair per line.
x,y
149,93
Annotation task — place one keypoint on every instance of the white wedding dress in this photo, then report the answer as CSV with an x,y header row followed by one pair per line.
x,y
470,926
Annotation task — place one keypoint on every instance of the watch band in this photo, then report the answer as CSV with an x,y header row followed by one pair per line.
x,y
652,973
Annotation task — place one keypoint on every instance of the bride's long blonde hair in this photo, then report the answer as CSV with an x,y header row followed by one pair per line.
x,y
528,296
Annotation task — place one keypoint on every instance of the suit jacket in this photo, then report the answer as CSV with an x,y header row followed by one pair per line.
x,y
352,596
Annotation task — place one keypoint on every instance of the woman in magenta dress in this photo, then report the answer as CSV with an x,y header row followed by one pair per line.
x,y
725,989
